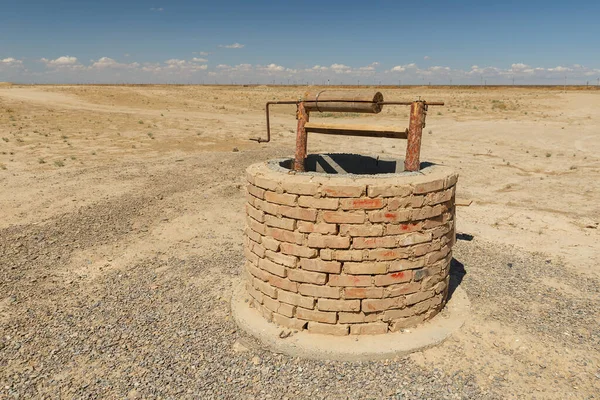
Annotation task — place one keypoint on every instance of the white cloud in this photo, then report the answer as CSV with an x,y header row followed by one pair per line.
x,y
370,67
426,58
60,61
11,61
223,66
159,9
199,60
106,62
398,68
273,68
201,53
233,46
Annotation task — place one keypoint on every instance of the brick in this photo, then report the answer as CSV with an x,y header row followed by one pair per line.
x,y
429,282
328,241
320,203
314,315
361,230
265,183
398,229
317,265
256,248
299,275
450,180
327,329
406,202
394,278
250,256
266,313
448,239
365,268
347,255
309,227
250,199
426,187
402,323
283,259
374,242
441,230
362,204
338,305
371,305
291,323
256,226
305,214
281,198
295,250
280,308
326,254
285,236
343,190
291,186
296,299
274,268
271,304
267,207
254,213
250,177
255,294
270,243
414,238
349,280
253,235
440,287
418,297
420,274
280,222
363,293
390,216
402,289
433,222
319,291
426,212
282,283
344,217
356,317
424,248
265,288
373,328
403,265
387,254
389,191
439,197
256,191
257,272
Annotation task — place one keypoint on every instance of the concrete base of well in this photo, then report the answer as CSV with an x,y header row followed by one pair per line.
x,y
350,348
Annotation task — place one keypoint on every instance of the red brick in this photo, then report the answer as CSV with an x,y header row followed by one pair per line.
x,y
362,204
265,288
271,304
371,305
450,181
291,323
305,214
338,305
389,191
265,183
426,212
295,187
349,280
363,293
270,266
320,203
328,329
424,248
440,287
430,281
283,259
314,315
253,235
309,227
365,268
256,191
319,291
406,202
343,190
402,265
373,328
296,299
280,222
257,272
387,254
281,198
267,207
397,229
285,236
270,243
390,216
342,217
414,238
374,242
299,275
439,197
402,289
433,222
356,317
255,294
441,230
328,241
254,213
347,255
295,250
256,248
250,256
392,279
282,283
418,297
317,265
256,226
427,187
408,322
361,230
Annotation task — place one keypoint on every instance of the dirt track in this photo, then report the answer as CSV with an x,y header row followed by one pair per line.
x,y
120,239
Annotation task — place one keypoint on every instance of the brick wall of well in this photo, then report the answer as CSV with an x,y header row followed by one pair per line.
x,y
343,255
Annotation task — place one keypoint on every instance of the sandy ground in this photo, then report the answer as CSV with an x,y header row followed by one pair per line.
x,y
110,190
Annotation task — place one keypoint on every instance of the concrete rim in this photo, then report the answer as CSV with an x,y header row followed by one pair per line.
x,y
351,348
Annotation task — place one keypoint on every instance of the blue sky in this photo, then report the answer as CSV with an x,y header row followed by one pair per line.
x,y
311,41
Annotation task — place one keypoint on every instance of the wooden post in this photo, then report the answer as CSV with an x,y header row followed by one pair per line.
x,y
301,138
415,131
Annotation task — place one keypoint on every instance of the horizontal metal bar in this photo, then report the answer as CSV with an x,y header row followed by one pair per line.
x,y
356,130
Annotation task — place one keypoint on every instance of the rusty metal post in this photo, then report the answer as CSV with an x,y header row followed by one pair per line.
x,y
412,161
301,138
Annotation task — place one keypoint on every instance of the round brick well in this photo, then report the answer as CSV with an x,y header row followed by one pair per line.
x,y
353,246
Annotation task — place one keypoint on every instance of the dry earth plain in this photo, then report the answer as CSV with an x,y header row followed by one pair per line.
x,y
121,223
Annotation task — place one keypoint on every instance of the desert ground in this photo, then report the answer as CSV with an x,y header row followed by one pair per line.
x,y
121,228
